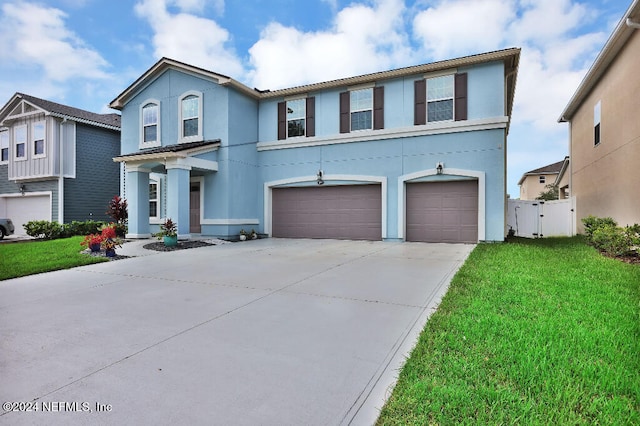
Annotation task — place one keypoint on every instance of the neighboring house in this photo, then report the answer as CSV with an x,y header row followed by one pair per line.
x,y
56,162
533,182
416,154
604,123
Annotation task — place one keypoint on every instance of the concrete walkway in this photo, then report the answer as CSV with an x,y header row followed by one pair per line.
x,y
271,332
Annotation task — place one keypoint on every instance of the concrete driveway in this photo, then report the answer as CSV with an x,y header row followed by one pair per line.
x,y
272,332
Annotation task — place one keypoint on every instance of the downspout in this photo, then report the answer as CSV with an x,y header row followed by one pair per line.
x,y
632,24
61,179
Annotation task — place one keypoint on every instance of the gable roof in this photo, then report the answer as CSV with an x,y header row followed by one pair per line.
x,y
623,31
550,169
109,121
510,57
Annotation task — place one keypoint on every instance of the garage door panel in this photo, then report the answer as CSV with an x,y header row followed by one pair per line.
x,y
342,212
442,211
27,208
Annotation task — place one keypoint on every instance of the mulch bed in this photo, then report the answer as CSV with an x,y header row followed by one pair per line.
x,y
180,246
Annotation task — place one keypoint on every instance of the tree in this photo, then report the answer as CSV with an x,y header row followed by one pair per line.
x,y
550,193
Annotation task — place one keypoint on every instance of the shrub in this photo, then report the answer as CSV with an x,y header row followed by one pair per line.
x,y
44,229
591,223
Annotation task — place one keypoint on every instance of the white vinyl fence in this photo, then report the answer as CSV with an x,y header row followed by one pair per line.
x,y
538,219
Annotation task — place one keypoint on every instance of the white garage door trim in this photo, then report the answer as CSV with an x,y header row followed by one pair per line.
x,y
268,194
5,197
402,195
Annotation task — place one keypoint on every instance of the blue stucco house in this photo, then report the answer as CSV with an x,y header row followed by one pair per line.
x,y
56,161
415,154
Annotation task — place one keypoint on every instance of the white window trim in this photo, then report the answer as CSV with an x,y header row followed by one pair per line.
x,y
304,116
33,140
452,97
193,138
542,179
8,135
16,143
152,181
157,142
351,111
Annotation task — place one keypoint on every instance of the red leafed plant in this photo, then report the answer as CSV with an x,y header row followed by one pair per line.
x,y
91,239
108,232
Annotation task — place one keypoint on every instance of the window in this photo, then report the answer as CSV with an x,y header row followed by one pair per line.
x,y
150,135
153,199
361,109
543,179
296,117
20,142
296,114
191,116
4,146
37,137
596,124
440,98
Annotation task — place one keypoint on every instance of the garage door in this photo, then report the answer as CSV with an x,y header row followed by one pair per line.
x,y
26,208
442,212
343,212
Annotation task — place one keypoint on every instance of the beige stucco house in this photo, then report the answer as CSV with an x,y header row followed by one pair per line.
x,y
533,182
604,129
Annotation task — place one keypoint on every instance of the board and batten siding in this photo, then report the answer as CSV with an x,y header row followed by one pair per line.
x,y
97,176
35,167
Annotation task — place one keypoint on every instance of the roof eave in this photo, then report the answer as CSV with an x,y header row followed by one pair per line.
x,y
612,47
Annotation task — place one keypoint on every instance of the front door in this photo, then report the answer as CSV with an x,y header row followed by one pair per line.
x,y
194,208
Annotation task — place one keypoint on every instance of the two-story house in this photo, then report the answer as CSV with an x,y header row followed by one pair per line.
x,y
416,153
56,161
536,181
604,128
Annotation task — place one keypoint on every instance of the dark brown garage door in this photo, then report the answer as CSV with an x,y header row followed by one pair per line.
x,y
342,212
443,212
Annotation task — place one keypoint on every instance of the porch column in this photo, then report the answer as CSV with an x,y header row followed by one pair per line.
x,y
178,197
138,201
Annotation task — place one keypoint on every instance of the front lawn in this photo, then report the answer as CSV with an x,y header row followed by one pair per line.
x,y
530,332
33,257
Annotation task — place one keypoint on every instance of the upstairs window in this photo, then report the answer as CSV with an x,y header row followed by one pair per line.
x,y
362,109
542,179
296,118
191,116
596,124
150,132
20,142
441,98
38,138
4,146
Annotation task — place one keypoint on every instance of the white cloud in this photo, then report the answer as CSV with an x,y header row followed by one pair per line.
x,y
189,38
362,39
40,35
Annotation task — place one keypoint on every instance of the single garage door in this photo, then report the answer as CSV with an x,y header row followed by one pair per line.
x,y
350,212
442,212
26,208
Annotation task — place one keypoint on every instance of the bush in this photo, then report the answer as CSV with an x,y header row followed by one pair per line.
x,y
46,230
591,223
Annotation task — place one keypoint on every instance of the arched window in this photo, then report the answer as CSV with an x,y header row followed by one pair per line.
x,y
150,124
190,116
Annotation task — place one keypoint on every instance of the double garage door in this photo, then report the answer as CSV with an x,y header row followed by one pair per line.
x,y
435,212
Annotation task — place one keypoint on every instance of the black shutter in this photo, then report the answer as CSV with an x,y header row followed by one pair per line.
x,y
311,116
461,96
282,120
420,102
378,107
345,106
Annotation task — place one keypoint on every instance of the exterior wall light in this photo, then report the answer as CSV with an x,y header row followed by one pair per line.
x,y
439,168
22,189
319,178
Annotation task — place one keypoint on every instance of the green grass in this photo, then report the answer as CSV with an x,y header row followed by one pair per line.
x,y
530,332
33,257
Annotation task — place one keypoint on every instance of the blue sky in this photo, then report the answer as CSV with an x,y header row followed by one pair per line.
x,y
83,53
